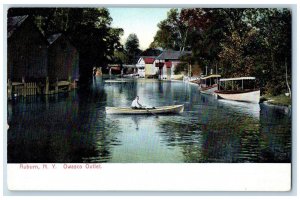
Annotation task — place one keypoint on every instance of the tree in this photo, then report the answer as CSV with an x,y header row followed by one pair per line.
x,y
132,48
239,42
89,29
271,49
172,33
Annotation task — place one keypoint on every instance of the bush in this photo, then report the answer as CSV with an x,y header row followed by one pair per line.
x,y
181,67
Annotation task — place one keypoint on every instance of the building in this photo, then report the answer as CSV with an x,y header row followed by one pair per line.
x,y
146,67
63,59
27,50
146,63
167,61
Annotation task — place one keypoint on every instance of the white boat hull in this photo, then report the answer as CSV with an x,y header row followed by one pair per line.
x,y
149,111
251,96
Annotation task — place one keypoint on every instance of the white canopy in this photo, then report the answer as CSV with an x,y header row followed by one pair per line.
x,y
237,79
211,76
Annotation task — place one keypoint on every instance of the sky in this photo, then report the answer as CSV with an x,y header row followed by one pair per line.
x,y
141,21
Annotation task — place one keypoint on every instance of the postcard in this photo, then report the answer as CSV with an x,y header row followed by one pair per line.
x,y
149,98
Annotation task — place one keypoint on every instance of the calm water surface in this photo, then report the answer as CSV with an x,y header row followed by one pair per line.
x,y
73,127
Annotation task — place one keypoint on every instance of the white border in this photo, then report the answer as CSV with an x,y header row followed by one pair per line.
x,y
135,2
151,177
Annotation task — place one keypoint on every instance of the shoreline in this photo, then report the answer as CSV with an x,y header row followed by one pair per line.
x,y
286,108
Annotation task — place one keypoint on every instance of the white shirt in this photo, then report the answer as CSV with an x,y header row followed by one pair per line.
x,y
135,103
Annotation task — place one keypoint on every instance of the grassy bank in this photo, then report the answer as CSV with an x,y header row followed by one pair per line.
x,y
280,100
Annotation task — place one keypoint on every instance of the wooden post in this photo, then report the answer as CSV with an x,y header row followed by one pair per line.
x,y
47,85
70,81
56,86
35,88
9,90
24,89
242,84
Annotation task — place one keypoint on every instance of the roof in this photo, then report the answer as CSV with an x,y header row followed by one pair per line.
x,y
149,60
237,79
53,38
13,23
211,76
172,55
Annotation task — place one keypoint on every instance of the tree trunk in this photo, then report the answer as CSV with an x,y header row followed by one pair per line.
x,y
286,79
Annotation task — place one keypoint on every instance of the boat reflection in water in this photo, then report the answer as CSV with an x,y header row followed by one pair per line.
x,y
142,141
250,109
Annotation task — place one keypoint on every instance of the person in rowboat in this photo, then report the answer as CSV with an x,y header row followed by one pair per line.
x,y
136,104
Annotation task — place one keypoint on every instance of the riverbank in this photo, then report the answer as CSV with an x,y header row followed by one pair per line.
x,y
280,100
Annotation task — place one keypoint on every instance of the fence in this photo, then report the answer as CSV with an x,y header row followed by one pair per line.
x,y
24,89
32,88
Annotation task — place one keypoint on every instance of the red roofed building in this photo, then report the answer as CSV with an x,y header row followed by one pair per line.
x,y
167,61
149,60
146,67
146,63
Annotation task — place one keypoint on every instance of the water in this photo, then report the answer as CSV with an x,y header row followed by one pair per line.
x,y
73,127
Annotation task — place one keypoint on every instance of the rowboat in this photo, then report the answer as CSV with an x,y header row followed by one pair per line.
x,y
242,91
148,111
209,84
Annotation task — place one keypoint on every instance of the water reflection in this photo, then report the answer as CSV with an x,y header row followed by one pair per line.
x,y
73,127
250,109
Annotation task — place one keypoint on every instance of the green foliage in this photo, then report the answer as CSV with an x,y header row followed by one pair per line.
x,y
132,48
181,67
239,42
280,100
89,29
120,57
172,32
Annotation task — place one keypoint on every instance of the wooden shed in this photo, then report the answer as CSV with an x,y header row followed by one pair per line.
x,y
63,59
26,50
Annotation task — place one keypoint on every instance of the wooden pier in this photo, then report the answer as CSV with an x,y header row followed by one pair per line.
x,y
33,88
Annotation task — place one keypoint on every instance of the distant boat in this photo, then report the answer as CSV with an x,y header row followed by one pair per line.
x,y
115,81
238,89
131,75
119,80
158,110
209,84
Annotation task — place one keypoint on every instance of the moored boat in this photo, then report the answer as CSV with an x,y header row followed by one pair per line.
x,y
237,89
119,81
157,110
209,84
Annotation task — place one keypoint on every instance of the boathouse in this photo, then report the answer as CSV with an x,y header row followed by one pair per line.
x,y
63,59
146,63
146,67
26,50
167,61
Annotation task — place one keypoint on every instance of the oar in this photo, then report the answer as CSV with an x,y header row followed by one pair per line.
x,y
150,112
